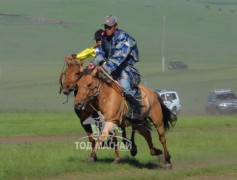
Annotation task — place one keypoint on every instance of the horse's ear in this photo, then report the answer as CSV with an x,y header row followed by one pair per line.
x,y
68,60
71,62
94,72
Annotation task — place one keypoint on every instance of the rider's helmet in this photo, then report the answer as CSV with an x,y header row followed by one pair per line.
x,y
98,34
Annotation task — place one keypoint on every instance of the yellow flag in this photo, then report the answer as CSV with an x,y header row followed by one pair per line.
x,y
88,52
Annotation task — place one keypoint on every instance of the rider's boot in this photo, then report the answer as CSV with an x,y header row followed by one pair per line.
x,y
134,110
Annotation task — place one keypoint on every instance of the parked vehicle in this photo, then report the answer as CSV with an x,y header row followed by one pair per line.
x,y
221,101
177,65
171,100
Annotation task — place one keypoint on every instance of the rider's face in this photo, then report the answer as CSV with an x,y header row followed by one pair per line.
x,y
109,30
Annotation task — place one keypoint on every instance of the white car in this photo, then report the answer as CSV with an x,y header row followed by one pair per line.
x,y
171,100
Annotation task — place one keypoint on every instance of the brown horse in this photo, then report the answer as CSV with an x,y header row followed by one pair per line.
x,y
68,83
113,107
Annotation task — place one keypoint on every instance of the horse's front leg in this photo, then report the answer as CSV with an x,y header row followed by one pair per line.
x,y
88,129
114,142
92,141
83,115
108,128
146,133
92,157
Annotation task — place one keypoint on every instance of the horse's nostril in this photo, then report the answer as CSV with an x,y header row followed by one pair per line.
x,y
65,91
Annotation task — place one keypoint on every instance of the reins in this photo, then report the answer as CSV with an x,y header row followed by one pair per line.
x,y
61,78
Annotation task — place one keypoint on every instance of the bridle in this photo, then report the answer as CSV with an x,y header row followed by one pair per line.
x,y
95,92
71,88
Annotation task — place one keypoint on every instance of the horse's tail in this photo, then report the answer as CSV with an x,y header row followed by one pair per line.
x,y
169,118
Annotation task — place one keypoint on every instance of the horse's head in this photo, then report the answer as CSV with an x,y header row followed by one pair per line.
x,y
68,79
88,88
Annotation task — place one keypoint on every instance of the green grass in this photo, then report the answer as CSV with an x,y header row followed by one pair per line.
x,y
199,146
33,124
32,54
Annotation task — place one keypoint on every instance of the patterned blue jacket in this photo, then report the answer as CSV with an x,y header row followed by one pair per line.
x,y
120,54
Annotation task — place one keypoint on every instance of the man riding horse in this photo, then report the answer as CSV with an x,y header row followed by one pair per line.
x,y
117,56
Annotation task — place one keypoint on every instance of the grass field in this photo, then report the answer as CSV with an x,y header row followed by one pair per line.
x,y
201,146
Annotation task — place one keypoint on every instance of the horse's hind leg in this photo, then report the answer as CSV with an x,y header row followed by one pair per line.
x,y
157,118
161,132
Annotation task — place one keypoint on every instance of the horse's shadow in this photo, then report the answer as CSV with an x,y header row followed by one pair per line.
x,y
133,162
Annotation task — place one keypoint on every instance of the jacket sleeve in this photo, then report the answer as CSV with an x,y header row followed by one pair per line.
x,y
99,56
119,54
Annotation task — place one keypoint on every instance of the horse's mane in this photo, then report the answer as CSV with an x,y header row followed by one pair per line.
x,y
107,79
87,71
100,75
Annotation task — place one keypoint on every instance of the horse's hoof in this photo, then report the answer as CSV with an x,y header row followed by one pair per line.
x,y
133,151
116,161
158,152
168,167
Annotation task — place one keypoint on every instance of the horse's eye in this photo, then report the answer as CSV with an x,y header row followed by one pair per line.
x,y
89,85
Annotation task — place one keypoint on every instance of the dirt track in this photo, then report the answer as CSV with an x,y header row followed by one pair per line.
x,y
73,137
30,139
